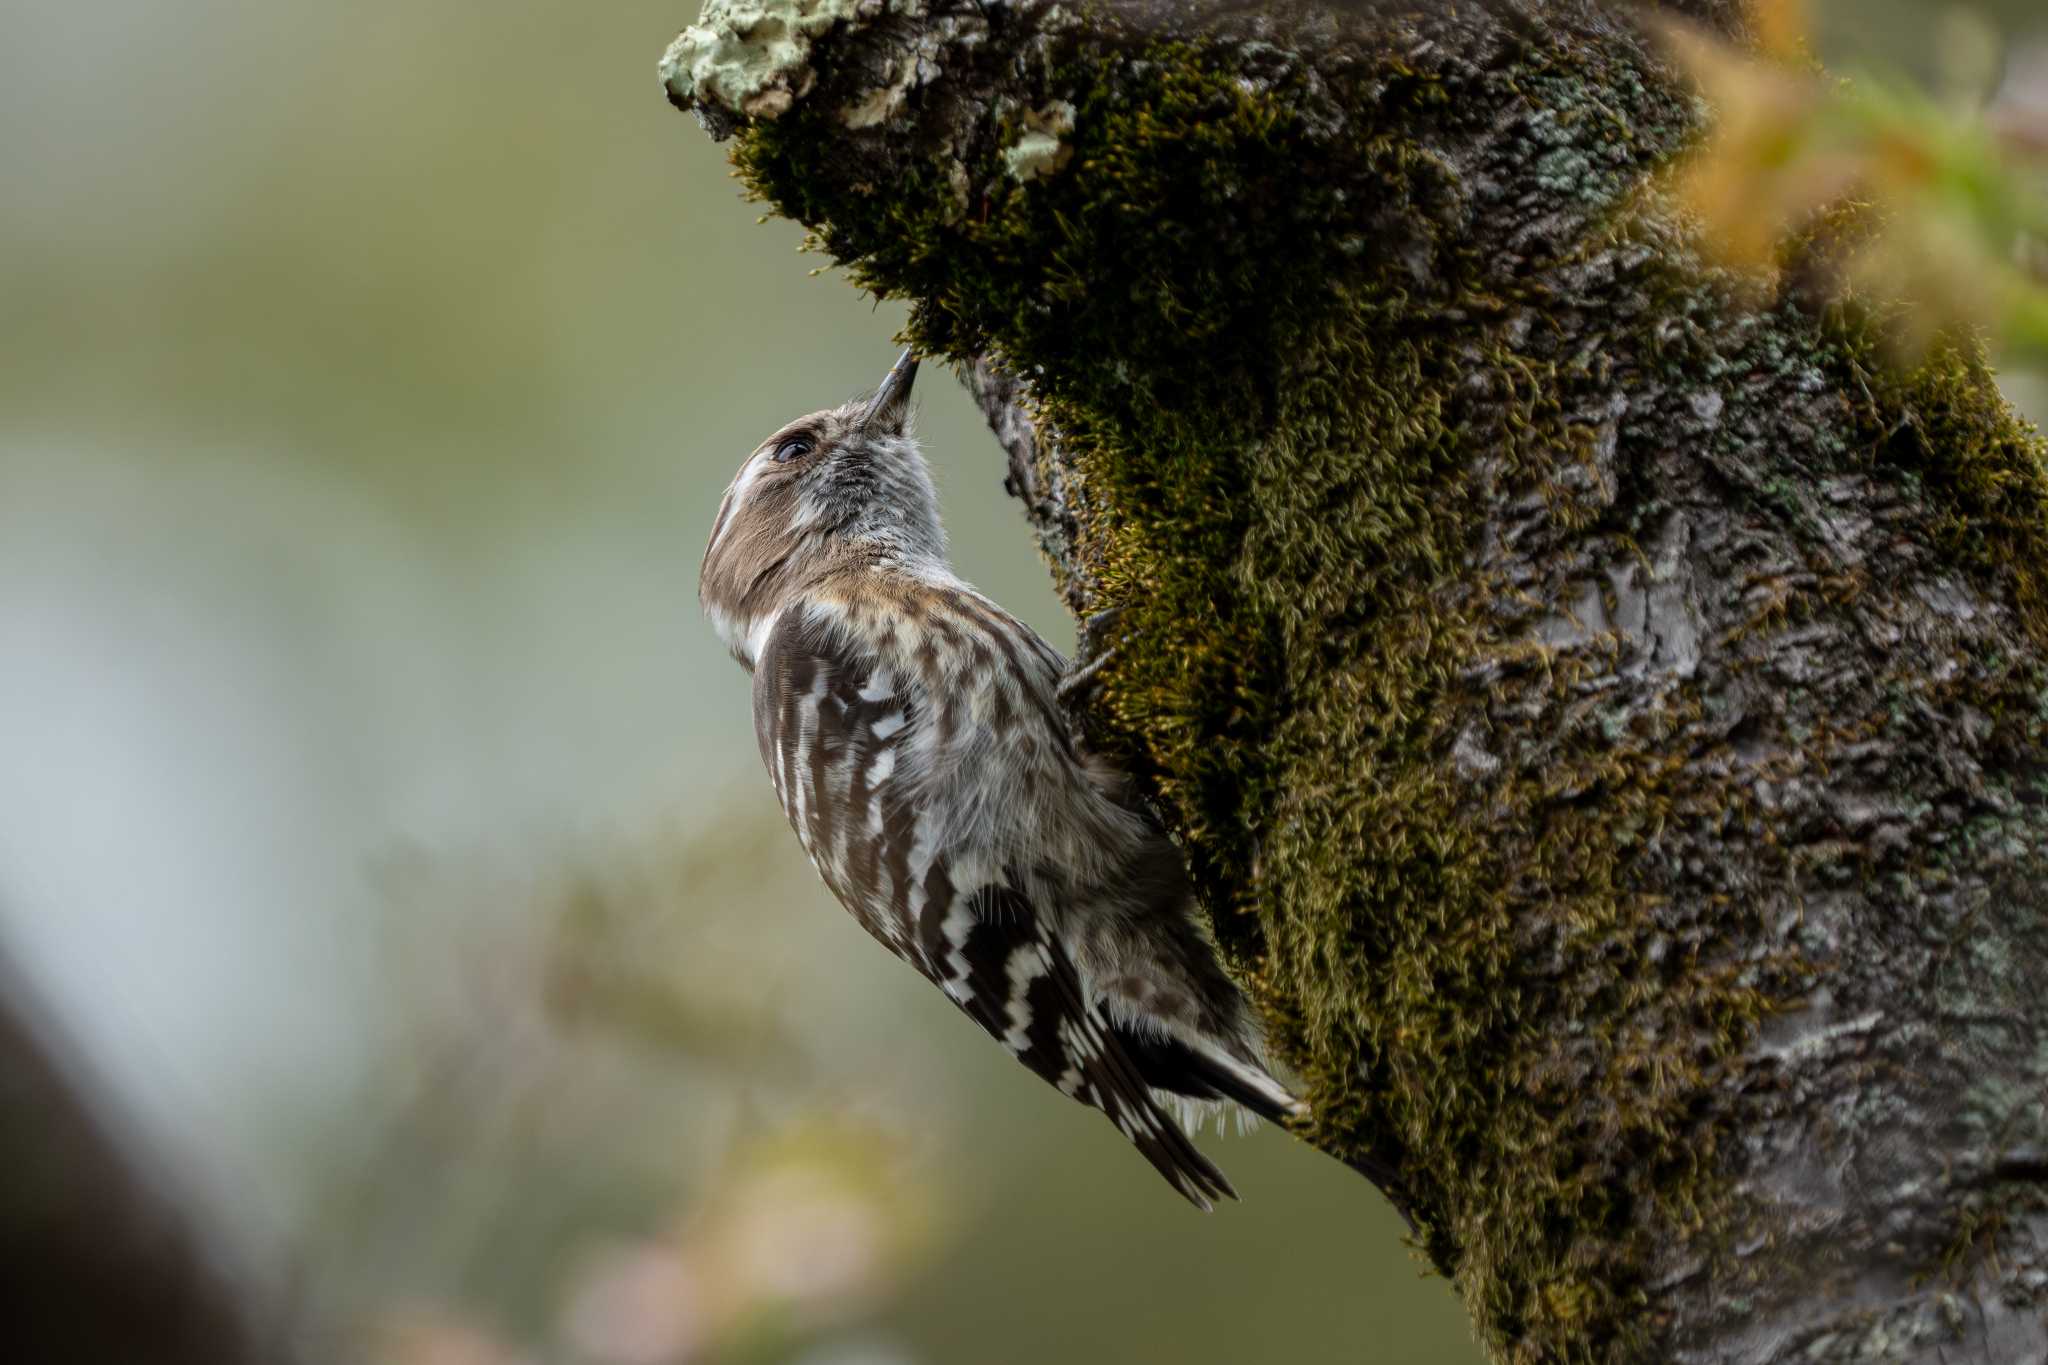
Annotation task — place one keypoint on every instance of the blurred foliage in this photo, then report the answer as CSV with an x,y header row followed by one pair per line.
x,y
1959,196
655,1101
595,1141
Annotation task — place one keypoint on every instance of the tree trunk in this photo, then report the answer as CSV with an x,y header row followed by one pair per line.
x,y
1604,699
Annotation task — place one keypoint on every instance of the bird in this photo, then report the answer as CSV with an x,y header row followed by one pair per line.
x,y
921,742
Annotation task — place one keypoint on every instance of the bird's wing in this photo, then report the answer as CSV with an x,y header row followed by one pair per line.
x,y
834,730
992,955
837,732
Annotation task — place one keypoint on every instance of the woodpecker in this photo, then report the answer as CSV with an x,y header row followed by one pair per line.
x,y
919,742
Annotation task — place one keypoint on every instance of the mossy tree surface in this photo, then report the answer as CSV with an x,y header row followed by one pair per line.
x,y
1605,701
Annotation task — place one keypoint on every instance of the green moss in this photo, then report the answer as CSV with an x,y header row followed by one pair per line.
x,y
1932,415
1986,469
1273,431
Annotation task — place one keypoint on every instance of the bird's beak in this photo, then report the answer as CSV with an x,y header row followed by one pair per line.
x,y
891,403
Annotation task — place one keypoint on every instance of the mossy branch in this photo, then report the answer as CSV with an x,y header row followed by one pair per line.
x,y
1606,703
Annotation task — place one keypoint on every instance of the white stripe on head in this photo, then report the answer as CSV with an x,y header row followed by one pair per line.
x,y
737,496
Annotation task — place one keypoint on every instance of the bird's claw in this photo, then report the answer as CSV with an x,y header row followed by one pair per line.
x,y
1083,680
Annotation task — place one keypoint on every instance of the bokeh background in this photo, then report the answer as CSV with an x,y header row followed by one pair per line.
x,y
382,824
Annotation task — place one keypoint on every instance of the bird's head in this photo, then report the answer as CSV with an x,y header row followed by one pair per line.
x,y
841,489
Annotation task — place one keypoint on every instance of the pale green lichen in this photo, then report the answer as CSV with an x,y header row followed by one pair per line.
x,y
750,56
1038,150
879,104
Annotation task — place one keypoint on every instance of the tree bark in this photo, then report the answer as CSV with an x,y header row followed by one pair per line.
x,y
1604,698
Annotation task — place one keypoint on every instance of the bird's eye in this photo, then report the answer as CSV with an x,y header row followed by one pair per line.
x,y
795,448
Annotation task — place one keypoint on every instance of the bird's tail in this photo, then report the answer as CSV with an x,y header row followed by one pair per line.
x,y
1196,1068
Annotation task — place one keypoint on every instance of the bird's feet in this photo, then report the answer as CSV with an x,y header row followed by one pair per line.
x,y
1093,652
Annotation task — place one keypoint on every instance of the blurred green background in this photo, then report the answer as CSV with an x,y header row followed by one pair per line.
x,y
381,815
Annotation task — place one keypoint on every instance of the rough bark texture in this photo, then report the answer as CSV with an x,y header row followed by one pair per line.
x,y
1605,699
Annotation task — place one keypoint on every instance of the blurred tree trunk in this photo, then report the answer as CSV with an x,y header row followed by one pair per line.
x,y
96,1263
1605,699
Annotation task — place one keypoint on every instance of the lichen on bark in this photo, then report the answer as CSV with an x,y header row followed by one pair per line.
x,y
1603,698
